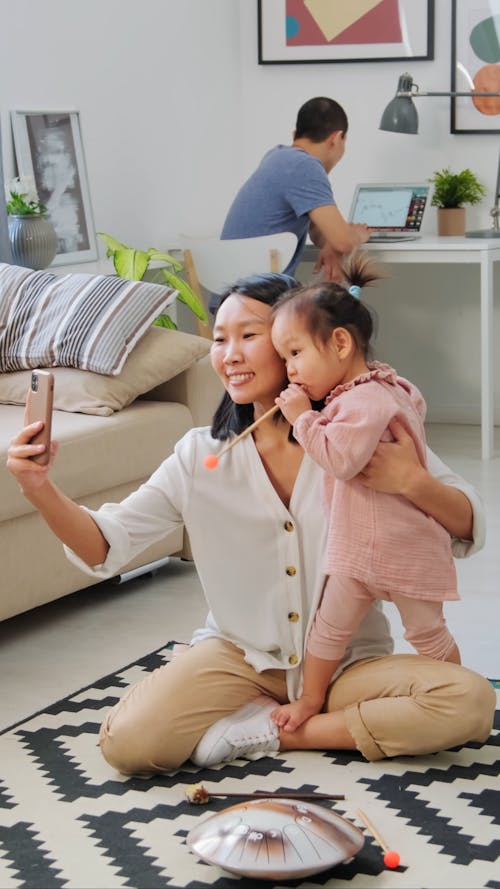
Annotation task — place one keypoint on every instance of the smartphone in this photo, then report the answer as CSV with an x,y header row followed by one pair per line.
x,y
39,407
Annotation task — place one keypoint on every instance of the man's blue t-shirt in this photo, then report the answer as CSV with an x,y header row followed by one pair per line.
x,y
278,196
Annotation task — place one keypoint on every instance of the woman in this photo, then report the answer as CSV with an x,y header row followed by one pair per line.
x,y
257,533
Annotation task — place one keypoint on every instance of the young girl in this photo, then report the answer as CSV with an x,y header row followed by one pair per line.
x,y
379,546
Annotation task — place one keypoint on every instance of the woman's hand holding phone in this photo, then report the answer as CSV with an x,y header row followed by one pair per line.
x,y
31,452
30,474
72,525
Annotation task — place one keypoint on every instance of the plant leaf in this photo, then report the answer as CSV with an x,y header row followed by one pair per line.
x,y
133,264
19,205
111,243
186,294
165,321
130,263
456,189
166,257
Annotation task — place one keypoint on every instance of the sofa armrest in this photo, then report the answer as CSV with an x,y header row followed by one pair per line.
x,y
198,388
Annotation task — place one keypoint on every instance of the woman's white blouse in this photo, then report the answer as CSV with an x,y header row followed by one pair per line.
x,y
259,563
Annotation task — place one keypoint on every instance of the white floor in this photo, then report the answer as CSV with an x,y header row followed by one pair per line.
x,y
59,648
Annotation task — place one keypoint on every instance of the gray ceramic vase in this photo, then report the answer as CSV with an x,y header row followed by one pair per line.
x,y
33,241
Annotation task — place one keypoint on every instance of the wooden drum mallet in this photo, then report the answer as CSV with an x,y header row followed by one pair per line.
x,y
391,858
211,461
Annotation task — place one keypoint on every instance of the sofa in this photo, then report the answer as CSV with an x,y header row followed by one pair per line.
x,y
124,393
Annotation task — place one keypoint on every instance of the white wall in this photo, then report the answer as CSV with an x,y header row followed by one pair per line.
x,y
157,85
175,112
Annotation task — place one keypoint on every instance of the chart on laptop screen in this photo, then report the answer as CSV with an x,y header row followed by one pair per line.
x,y
398,208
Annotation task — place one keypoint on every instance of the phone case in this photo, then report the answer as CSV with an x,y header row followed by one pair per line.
x,y
39,407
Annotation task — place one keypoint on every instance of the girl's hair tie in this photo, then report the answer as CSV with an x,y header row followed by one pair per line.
x,y
355,291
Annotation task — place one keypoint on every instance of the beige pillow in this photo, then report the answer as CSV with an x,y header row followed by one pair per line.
x,y
160,355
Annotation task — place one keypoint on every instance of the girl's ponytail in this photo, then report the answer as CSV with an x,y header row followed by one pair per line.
x,y
360,270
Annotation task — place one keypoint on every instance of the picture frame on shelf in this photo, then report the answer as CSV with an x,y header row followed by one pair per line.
x,y
5,251
48,147
308,31
475,64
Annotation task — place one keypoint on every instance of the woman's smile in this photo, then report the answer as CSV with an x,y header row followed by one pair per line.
x,y
239,377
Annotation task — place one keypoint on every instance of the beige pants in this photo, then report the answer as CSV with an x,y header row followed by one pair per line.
x,y
394,706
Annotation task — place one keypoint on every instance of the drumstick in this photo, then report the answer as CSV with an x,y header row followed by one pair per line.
x,y
198,793
211,460
391,858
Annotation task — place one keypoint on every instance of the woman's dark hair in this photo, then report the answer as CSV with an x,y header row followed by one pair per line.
x,y
319,118
326,306
265,288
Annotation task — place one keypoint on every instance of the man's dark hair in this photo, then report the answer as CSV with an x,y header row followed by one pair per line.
x,y
319,118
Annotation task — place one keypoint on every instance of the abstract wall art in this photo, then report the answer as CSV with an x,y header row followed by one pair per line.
x,y
475,65
358,31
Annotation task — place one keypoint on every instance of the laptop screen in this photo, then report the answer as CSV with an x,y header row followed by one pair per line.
x,y
397,207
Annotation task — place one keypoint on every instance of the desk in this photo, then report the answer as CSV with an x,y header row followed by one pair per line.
x,y
484,252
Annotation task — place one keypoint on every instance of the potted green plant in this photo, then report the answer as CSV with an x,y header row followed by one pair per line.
x,y
451,192
32,236
23,200
135,264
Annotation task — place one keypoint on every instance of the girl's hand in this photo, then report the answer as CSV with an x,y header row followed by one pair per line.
x,y
394,465
293,401
29,474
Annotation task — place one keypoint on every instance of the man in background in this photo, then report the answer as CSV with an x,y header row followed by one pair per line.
x,y
290,192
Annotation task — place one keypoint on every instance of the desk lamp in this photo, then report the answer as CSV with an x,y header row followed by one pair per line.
x,y
401,116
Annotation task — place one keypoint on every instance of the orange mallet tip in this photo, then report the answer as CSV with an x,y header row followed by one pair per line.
x,y
392,859
210,461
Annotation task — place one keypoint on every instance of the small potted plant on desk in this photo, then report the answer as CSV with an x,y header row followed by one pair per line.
x,y
451,192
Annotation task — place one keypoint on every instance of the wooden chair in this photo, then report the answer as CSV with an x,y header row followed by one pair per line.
x,y
212,265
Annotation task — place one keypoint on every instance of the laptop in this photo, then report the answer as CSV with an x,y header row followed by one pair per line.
x,y
394,211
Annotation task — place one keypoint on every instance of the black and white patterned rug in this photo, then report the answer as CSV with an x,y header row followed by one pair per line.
x,y
67,820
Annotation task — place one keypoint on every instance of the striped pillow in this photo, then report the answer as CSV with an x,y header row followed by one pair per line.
x,y
91,322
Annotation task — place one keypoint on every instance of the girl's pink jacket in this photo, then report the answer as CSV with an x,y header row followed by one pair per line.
x,y
380,539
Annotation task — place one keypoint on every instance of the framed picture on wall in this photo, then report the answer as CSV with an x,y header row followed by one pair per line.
x,y
48,147
475,65
298,31
5,251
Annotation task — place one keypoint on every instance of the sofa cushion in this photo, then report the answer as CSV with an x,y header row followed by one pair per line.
x,y
159,356
97,453
91,322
